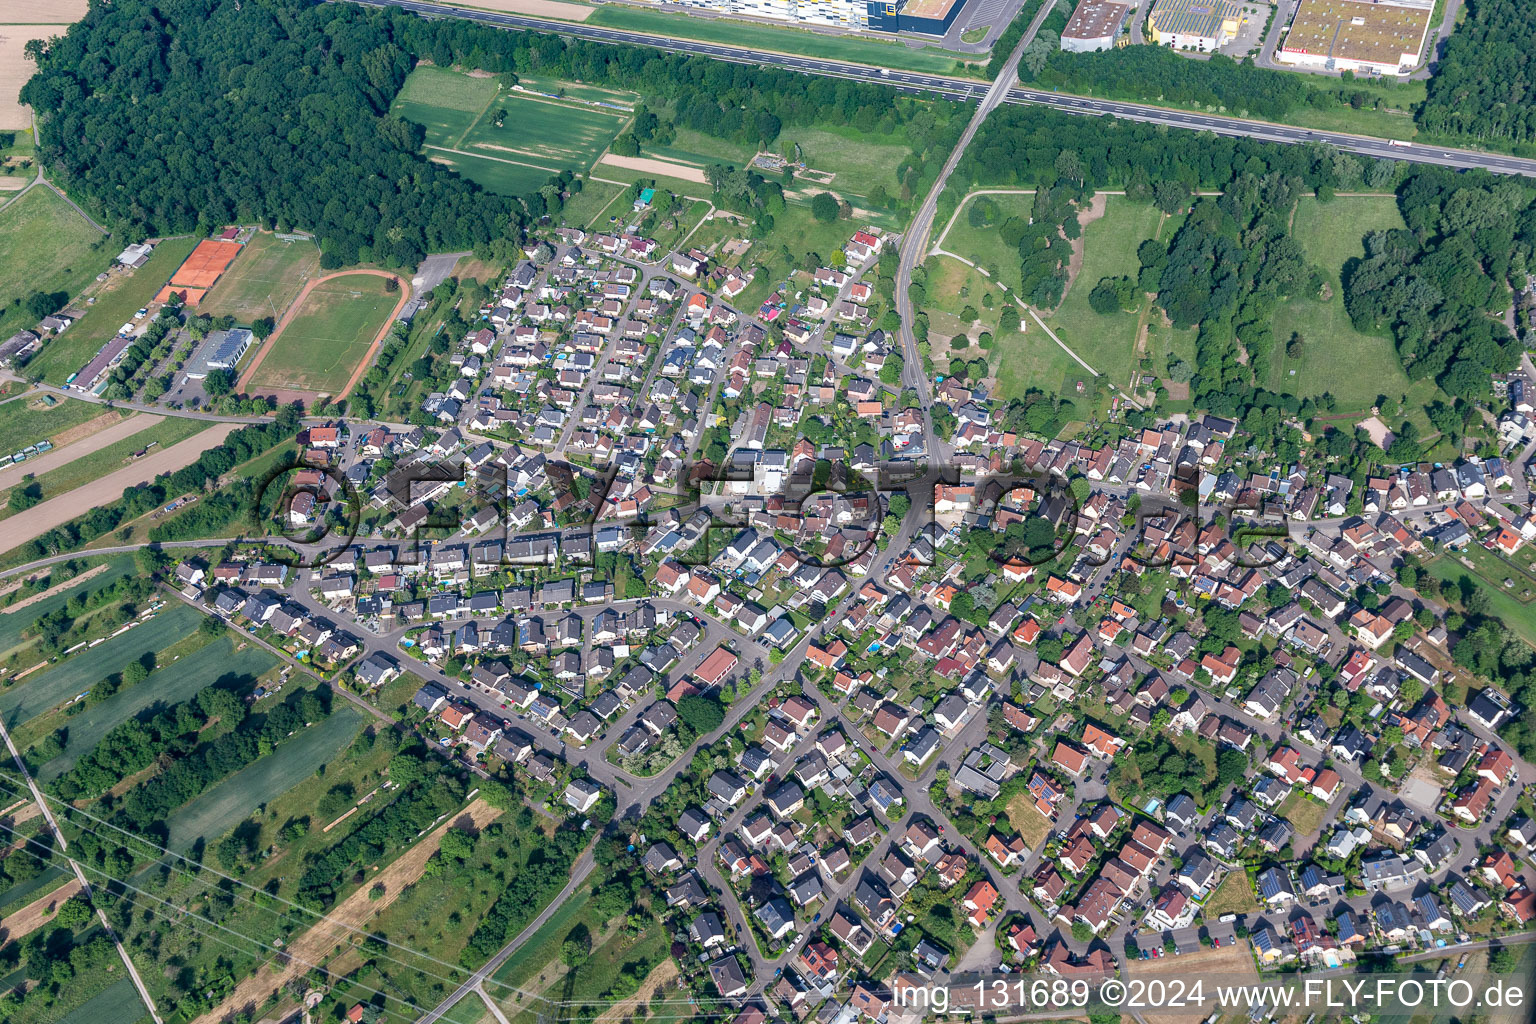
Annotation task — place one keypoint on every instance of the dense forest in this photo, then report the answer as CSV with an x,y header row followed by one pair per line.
x,y
184,115
1486,83
1436,283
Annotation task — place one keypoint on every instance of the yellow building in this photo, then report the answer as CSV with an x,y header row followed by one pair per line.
x,y
1201,25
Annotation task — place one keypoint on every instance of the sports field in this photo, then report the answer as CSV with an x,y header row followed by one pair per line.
x,y
330,333
67,263
77,674
1355,368
538,136
115,304
264,280
231,801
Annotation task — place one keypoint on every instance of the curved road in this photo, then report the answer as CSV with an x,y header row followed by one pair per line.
x,y
970,89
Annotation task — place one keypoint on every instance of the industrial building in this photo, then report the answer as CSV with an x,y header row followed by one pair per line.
x,y
1200,25
221,350
1385,37
1094,25
929,17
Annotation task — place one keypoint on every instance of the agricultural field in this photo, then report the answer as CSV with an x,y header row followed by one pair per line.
x,y
116,302
1355,368
217,660
264,279
69,262
29,419
96,464
862,50
18,164
1106,342
234,799
506,141
330,334
14,620
42,691
596,201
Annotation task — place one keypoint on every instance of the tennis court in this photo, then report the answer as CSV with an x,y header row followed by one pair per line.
x,y
203,267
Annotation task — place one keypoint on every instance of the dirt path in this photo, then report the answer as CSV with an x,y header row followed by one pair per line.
x,y
39,520
41,595
292,311
661,974
37,913
113,430
1096,207
347,917
650,165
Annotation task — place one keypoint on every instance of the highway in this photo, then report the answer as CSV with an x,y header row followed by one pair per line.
x,y
972,90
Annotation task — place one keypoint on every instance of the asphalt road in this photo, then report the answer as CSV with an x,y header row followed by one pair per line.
x,y
968,89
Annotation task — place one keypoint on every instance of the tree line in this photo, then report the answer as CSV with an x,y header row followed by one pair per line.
x,y
1483,85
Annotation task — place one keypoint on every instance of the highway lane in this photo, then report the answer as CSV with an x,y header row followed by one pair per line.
x,y
971,90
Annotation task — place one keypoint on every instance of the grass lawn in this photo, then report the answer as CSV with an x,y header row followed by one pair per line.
x,y
859,160
596,201
264,279
1336,358
694,147
984,246
1305,814
539,136
1028,820
169,684
219,809
45,246
116,302
114,456
53,686
1109,249
25,421
1233,896
783,40
1517,615
331,332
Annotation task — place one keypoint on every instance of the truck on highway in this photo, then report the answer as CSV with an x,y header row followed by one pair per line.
x,y
1398,142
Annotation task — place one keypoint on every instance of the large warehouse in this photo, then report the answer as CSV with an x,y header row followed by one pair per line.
x,y
1200,25
930,17
1385,37
1094,25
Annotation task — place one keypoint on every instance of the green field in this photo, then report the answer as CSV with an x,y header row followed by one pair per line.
x,y
169,684
114,456
329,335
859,160
1518,615
117,1004
1336,358
12,623
860,50
115,304
50,687
28,420
538,138
595,201
264,279
44,247
219,809
984,246
1107,343
22,893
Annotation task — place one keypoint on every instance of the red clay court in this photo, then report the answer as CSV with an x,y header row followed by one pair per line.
x,y
207,262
